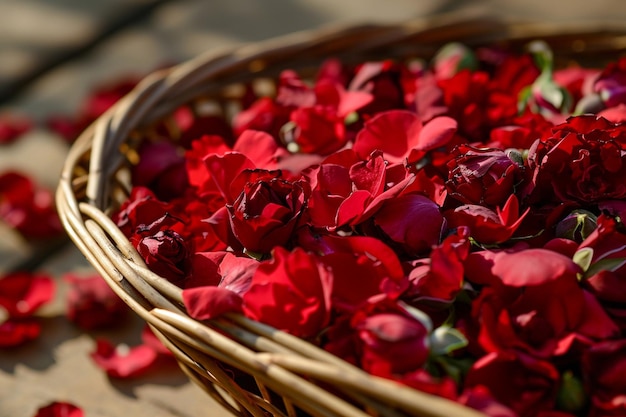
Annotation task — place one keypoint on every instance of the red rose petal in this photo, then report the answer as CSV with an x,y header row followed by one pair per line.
x,y
395,132
532,267
59,409
204,303
436,133
21,293
16,332
122,361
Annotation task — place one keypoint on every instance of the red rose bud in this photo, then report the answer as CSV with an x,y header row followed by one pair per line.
x,y
165,254
266,212
483,176
92,304
577,225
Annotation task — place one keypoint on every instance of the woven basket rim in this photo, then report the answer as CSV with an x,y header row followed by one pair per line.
x,y
275,359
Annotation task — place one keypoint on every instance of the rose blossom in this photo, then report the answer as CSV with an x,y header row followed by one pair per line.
x,y
165,253
266,212
483,176
580,161
347,191
532,303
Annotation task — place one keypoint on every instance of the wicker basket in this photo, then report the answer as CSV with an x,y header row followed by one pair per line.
x,y
291,375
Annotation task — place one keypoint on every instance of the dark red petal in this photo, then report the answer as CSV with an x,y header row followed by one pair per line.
x,y
21,293
59,409
14,332
204,303
122,361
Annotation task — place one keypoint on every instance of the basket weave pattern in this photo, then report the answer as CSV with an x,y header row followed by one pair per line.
x,y
290,374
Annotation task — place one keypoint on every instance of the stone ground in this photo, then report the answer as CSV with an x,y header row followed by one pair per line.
x,y
53,52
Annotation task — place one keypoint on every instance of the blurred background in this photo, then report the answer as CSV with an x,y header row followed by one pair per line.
x,y
54,52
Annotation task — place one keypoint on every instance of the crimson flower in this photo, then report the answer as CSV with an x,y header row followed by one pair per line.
x,y
611,82
533,303
266,212
162,168
579,161
382,337
397,217
483,176
348,191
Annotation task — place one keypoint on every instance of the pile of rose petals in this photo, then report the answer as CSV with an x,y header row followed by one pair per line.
x,y
453,224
